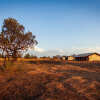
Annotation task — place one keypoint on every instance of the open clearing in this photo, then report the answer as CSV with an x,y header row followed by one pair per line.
x,y
28,81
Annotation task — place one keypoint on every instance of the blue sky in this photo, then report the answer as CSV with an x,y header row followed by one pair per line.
x,y
61,26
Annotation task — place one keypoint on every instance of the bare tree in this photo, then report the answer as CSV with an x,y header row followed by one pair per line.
x,y
14,39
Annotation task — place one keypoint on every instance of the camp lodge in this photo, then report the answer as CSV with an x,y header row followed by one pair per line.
x,y
85,57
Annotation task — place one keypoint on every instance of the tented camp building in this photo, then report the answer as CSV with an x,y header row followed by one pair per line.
x,y
70,58
87,57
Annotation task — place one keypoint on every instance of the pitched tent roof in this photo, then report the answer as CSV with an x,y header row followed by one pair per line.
x,y
85,54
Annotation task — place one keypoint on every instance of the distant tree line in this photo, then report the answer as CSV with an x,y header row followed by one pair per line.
x,y
29,56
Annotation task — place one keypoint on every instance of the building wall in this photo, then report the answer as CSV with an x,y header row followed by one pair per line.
x,y
63,58
81,58
71,58
94,57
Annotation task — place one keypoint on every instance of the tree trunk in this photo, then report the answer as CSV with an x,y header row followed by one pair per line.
x,y
4,64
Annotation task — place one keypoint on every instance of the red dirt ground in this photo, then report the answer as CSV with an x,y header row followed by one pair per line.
x,y
27,81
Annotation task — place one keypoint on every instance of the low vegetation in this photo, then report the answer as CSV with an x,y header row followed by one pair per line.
x,y
24,80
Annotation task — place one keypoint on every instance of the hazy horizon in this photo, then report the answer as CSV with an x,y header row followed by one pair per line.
x,y
61,27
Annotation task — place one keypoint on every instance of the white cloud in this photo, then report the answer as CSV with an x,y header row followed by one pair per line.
x,y
51,52
86,50
41,52
61,51
37,49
